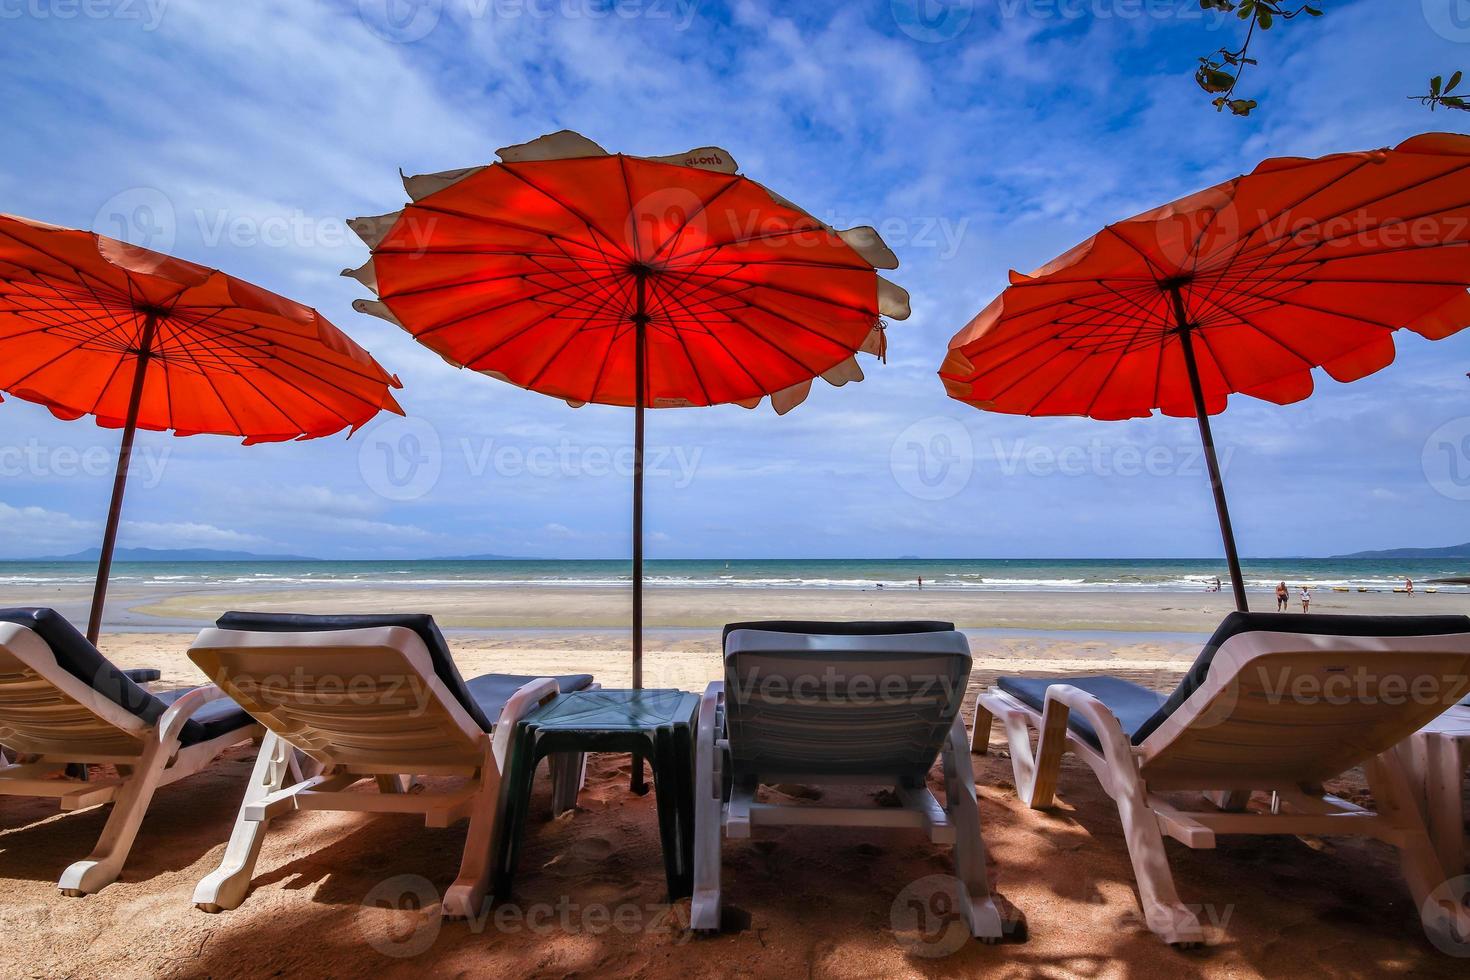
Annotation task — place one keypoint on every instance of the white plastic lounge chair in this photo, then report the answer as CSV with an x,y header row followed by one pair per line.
x,y
871,704
377,699
1434,759
65,707
1275,704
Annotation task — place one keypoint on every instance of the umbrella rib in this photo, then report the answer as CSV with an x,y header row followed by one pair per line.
x,y
588,222
1402,189
703,207
480,219
1298,202
814,297
763,237
679,336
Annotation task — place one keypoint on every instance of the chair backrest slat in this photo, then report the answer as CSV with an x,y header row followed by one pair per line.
x,y
362,698
1285,708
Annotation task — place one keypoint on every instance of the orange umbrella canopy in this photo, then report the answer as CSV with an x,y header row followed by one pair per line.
x,y
1299,264
654,282
1242,288
80,313
94,326
540,269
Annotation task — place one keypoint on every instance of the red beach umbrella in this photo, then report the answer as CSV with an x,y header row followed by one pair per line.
x,y
1245,287
94,326
620,280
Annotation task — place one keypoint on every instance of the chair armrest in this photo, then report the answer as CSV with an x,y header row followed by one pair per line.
x,y
1061,699
527,698
172,721
142,675
711,714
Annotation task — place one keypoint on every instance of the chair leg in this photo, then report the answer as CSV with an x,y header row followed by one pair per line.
x,y
1441,913
568,774
980,731
704,909
969,847
1163,912
226,886
1444,798
105,863
466,897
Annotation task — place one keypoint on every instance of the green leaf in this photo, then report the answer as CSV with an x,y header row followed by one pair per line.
x,y
1313,11
1242,107
1435,83
1454,80
1214,81
1263,16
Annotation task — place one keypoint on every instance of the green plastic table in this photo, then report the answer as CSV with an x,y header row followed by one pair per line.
x,y
657,725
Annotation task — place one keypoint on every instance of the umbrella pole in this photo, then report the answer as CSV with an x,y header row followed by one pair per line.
x,y
1217,484
640,342
640,322
120,480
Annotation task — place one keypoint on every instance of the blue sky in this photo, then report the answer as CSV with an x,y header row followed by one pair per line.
x,y
978,136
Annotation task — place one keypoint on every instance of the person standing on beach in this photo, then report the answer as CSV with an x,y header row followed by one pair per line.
x,y
1283,596
1409,586
1306,599
921,583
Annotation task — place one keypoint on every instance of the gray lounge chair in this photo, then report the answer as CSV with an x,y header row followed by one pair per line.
x,y
1274,705
839,703
65,707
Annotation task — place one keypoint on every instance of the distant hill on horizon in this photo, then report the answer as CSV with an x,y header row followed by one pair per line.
x,y
167,554
1453,551
485,557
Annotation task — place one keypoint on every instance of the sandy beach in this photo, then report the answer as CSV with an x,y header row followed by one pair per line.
x,y
339,895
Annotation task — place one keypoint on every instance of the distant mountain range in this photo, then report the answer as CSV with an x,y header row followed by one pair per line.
x,y
486,557
1453,551
168,554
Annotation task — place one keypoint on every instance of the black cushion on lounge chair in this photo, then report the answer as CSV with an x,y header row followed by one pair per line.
x,y
421,623
1132,704
492,691
1128,698
219,717
85,662
868,628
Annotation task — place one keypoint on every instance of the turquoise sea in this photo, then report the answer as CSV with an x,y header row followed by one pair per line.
x,y
982,574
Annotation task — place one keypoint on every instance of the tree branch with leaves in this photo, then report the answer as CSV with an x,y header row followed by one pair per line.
x,y
1219,74
1439,94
